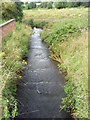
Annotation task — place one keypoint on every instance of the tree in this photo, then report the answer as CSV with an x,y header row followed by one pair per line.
x,y
19,12
12,10
49,5
31,5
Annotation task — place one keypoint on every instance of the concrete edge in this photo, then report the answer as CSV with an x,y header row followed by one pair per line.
x,y
6,23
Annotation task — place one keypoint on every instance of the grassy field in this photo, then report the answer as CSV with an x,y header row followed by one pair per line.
x,y
54,15
14,52
47,17
67,35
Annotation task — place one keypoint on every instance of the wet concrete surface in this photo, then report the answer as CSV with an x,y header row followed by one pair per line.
x,y
40,90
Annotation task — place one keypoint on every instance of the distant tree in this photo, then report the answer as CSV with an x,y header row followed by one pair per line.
x,y
60,5
31,5
77,4
49,5
74,4
85,4
44,5
19,11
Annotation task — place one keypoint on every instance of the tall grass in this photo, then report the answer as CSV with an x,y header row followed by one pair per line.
x,y
14,50
68,45
75,61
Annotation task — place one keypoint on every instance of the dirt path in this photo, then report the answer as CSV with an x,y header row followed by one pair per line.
x,y
40,90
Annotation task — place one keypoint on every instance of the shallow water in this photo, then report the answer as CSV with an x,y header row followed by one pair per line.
x,y
40,90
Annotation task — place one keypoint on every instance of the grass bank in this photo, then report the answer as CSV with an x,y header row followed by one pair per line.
x,y
14,52
68,41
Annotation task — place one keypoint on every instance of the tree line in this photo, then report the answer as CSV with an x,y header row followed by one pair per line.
x,y
57,5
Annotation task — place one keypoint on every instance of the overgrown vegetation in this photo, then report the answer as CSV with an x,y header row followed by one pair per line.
x,y
68,45
65,30
14,52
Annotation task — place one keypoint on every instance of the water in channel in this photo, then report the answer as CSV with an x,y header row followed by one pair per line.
x,y
40,90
